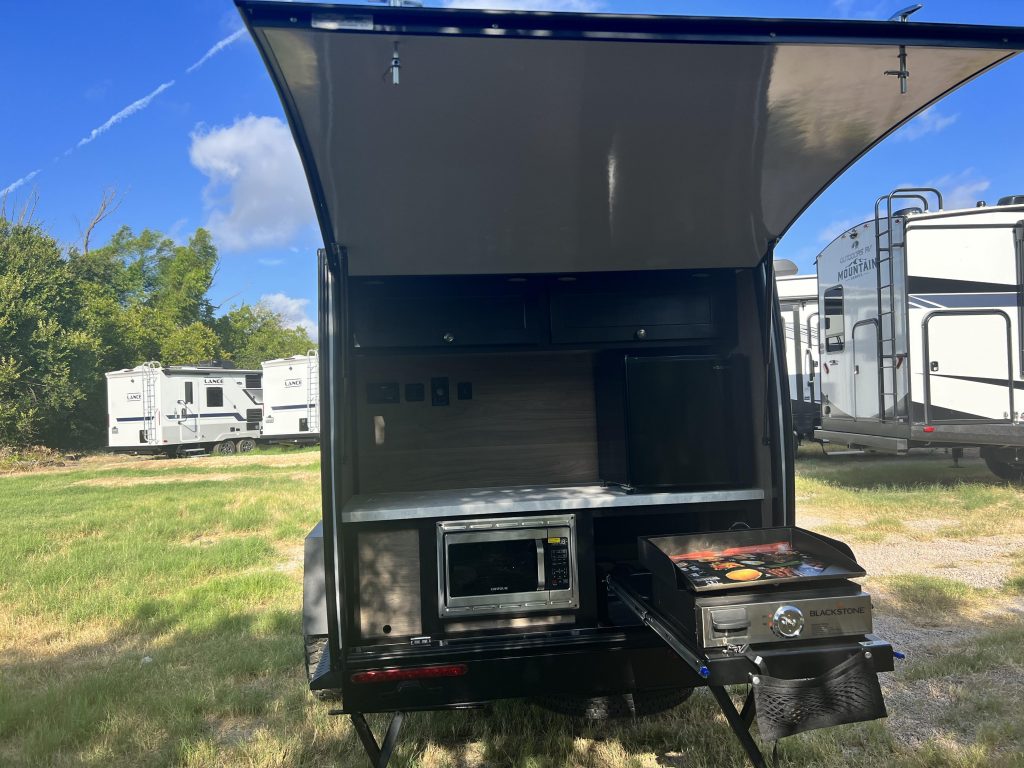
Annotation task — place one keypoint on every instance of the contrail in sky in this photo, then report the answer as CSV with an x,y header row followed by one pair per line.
x,y
23,180
217,48
128,111
131,109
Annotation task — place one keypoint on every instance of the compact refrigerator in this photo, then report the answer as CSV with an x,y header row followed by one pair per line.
x,y
673,421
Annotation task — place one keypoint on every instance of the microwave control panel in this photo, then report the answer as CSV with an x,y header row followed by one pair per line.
x,y
556,562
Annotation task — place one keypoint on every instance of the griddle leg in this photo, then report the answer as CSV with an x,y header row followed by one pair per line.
x,y
740,723
379,756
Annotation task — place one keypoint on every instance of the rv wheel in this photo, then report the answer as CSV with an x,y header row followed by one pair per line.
x,y
637,704
224,447
315,645
246,444
1004,470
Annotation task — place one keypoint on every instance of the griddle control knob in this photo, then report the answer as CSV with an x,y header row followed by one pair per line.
x,y
787,621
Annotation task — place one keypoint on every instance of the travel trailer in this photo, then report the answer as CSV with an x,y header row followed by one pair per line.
x,y
182,410
544,289
921,325
291,395
798,301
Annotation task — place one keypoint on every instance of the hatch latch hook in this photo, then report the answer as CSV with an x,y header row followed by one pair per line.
x,y
903,73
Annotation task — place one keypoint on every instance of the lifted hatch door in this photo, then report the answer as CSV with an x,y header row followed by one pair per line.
x,y
540,142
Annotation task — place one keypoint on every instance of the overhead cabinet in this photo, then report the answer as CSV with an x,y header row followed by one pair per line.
x,y
612,308
635,308
446,312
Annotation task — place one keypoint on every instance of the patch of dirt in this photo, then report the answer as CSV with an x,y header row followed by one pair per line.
x,y
293,557
922,711
231,731
984,562
129,482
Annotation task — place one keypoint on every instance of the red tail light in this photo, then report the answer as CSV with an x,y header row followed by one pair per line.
x,y
411,673
928,429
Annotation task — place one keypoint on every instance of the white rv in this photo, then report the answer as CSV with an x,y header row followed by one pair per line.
x,y
179,410
291,398
798,300
921,325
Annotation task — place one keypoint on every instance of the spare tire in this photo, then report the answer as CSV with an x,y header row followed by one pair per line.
x,y
636,704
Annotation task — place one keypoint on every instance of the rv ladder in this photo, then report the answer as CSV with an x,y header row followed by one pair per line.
x,y
312,391
150,372
888,330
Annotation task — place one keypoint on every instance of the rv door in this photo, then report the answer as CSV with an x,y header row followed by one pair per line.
x,y
864,341
968,366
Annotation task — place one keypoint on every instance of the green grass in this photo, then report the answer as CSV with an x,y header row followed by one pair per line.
x,y
920,497
149,616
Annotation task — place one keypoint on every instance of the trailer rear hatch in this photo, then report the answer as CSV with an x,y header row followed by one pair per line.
x,y
443,141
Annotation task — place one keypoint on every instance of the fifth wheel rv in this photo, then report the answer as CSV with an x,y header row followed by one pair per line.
x,y
536,315
181,410
291,399
921,312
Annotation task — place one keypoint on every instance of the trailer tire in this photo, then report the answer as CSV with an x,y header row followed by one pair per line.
x,y
315,645
224,447
246,444
1004,470
636,704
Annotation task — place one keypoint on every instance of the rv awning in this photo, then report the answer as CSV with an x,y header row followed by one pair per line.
x,y
540,142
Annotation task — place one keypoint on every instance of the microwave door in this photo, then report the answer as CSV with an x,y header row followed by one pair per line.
x,y
485,569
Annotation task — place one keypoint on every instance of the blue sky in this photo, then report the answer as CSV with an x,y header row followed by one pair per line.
x,y
167,104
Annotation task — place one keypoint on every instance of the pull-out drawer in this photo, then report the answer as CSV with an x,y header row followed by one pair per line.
x,y
440,312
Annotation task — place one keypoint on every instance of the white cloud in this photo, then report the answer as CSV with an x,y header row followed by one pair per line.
x,y
292,311
254,163
271,262
929,121
131,109
834,229
960,190
578,6
20,182
219,46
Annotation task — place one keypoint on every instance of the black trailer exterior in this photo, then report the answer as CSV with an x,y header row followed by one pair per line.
x,y
505,199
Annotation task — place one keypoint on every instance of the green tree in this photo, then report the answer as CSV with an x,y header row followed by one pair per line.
x,y
45,356
252,333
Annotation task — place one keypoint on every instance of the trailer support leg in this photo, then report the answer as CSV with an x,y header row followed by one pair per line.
x,y
379,756
740,723
957,455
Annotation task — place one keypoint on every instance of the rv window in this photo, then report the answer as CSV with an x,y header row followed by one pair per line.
x,y
188,393
834,326
214,397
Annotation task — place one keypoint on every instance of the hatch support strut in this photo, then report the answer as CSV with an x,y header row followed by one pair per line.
x,y
903,73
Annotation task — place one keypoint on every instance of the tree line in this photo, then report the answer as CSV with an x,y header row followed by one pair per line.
x,y
69,314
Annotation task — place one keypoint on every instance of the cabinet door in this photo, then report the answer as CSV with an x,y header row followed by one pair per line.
x,y
640,308
440,312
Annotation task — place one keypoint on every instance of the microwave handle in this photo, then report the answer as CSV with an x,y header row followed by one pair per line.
x,y
541,576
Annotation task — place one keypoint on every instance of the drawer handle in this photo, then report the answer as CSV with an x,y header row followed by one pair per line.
x,y
641,334
448,338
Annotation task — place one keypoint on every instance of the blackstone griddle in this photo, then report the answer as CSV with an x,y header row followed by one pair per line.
x,y
802,642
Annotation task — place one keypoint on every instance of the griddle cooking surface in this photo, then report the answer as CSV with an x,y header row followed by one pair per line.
x,y
742,559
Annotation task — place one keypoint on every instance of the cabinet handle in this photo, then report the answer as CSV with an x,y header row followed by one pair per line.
x,y
641,334
448,338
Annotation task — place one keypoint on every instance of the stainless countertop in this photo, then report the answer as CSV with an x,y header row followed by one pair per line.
x,y
518,500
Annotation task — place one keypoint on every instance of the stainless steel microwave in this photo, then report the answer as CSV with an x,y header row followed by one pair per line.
x,y
507,565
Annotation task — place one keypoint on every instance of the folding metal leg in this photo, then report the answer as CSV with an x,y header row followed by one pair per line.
x,y
740,723
379,756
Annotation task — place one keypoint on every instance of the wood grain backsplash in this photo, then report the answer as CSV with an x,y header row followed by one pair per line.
x,y
531,420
